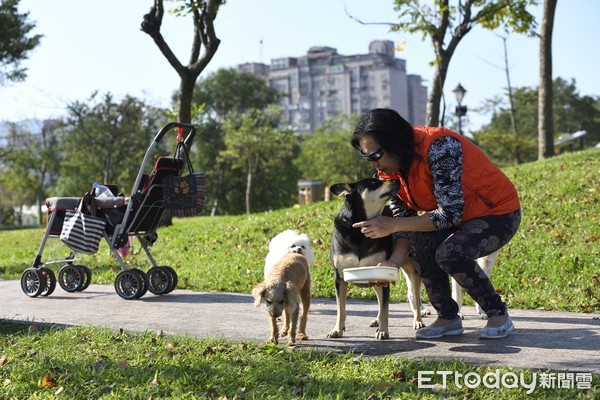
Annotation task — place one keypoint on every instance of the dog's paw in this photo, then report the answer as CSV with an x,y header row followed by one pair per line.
x,y
336,333
290,343
481,313
418,324
301,336
382,335
283,333
272,339
425,311
374,323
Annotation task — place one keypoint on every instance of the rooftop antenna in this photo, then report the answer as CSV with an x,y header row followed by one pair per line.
x,y
260,55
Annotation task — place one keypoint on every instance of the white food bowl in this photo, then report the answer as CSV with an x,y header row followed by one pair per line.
x,y
371,275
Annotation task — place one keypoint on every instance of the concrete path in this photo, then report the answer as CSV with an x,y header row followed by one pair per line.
x,y
546,340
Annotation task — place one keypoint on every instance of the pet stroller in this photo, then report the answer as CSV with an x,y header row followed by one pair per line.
x,y
137,216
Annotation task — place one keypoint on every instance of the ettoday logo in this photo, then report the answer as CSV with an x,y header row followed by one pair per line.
x,y
508,380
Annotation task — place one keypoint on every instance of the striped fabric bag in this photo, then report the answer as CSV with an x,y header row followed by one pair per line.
x,y
82,232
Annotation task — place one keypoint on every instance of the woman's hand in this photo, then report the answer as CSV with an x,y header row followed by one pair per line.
x,y
388,263
377,227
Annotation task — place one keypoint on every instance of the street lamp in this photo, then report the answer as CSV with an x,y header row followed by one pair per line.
x,y
459,93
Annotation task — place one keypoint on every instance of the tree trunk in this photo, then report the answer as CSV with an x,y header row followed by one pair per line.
x,y
217,191
513,115
435,92
40,200
545,95
186,91
248,189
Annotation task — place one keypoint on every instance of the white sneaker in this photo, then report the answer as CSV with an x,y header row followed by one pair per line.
x,y
452,329
498,332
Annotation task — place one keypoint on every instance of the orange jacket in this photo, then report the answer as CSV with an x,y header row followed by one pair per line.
x,y
486,190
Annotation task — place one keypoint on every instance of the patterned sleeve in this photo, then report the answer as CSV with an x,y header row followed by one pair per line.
x,y
400,209
445,161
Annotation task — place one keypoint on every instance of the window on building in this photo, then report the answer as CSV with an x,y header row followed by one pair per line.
x,y
335,69
278,63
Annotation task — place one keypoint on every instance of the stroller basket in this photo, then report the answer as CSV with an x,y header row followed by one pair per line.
x,y
137,216
112,208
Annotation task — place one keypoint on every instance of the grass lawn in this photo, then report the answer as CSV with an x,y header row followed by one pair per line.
x,y
97,363
553,263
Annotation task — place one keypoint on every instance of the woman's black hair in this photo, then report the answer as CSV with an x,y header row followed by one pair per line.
x,y
393,133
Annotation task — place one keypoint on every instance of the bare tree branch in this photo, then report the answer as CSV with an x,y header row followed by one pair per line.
x,y
352,17
151,25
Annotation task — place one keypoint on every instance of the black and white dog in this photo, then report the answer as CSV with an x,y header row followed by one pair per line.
x,y
350,248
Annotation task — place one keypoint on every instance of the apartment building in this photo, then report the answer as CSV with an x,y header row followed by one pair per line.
x,y
323,84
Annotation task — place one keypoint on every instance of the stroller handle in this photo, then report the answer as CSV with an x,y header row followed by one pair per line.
x,y
188,142
189,138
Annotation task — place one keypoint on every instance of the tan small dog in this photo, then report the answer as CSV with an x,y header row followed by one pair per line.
x,y
287,282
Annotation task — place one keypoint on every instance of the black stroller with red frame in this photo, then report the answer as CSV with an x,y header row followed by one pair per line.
x,y
137,216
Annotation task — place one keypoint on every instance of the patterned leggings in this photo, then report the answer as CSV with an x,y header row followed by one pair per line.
x,y
453,252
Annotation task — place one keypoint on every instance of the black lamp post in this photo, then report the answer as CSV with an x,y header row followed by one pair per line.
x,y
459,93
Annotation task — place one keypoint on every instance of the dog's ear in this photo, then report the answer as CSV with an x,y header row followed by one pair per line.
x,y
342,189
259,293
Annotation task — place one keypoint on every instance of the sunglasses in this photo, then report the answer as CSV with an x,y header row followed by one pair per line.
x,y
374,155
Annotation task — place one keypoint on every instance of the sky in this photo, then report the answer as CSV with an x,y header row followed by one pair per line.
x,y
93,46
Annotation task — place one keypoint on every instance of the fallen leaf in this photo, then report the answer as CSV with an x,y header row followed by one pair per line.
x,y
3,360
154,382
400,374
123,364
48,381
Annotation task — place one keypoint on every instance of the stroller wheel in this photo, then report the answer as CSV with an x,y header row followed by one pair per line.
x,y
33,282
87,275
71,278
159,280
128,284
50,281
142,275
174,278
